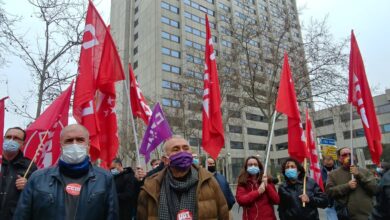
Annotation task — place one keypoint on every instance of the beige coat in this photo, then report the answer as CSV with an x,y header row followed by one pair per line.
x,y
210,199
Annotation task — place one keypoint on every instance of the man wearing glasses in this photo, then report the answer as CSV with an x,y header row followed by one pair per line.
x,y
13,169
355,194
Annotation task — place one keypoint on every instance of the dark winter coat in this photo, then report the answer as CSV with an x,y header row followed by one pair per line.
x,y
360,200
290,207
381,210
44,196
9,194
127,188
257,206
227,192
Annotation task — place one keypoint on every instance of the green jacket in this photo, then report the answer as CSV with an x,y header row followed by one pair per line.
x,y
360,199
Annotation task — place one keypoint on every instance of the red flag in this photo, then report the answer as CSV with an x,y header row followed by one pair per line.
x,y
287,103
139,106
315,170
2,108
84,108
46,130
360,96
212,133
110,71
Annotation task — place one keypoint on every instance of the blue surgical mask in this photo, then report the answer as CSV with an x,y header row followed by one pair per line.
x,y
10,145
195,161
253,170
292,174
379,170
115,171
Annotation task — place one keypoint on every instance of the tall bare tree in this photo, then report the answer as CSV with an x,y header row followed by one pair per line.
x,y
51,55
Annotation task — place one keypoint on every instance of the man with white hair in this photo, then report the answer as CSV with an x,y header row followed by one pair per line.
x,y
73,189
181,190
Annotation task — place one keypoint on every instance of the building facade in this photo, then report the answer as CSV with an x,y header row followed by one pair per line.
x,y
164,41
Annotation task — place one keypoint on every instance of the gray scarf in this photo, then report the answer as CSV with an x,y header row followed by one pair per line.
x,y
177,195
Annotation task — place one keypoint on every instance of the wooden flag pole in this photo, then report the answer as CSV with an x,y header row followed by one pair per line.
x,y
269,143
36,153
351,127
304,178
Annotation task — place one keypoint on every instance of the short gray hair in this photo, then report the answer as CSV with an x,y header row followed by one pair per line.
x,y
175,136
85,130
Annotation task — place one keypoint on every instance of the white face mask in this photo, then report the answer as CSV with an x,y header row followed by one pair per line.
x,y
73,153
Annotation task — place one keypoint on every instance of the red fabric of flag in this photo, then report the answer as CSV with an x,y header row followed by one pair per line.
x,y
213,138
2,111
110,71
315,170
360,96
84,106
46,129
286,103
139,106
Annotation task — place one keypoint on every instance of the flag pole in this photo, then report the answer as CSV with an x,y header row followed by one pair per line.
x,y
36,153
269,143
132,123
304,179
351,127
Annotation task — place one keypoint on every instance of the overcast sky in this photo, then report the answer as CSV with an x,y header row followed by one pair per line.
x,y
369,19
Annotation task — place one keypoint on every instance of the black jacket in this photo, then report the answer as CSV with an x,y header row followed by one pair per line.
x,y
227,192
9,195
381,209
127,188
44,196
290,206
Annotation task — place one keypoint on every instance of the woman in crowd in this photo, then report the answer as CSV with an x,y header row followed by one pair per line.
x,y
292,196
256,193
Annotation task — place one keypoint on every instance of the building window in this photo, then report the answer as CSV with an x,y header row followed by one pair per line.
x,y
136,10
257,132
171,68
235,129
386,128
195,45
194,142
323,122
224,7
135,50
135,64
234,114
256,146
199,7
194,90
170,22
356,133
383,109
135,36
171,102
226,43
136,23
194,74
281,146
282,131
170,52
253,117
171,85
194,59
236,145
170,7
231,98
171,37
198,19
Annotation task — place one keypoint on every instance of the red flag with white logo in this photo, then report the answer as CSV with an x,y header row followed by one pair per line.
x,y
110,71
46,129
315,170
213,138
287,104
2,111
84,106
138,102
360,96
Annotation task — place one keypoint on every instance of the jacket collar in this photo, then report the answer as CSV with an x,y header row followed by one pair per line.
x,y
16,160
55,173
152,184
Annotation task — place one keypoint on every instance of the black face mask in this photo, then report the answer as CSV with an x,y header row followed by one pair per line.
x,y
329,168
211,169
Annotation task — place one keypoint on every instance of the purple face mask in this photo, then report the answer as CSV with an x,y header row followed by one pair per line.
x,y
181,160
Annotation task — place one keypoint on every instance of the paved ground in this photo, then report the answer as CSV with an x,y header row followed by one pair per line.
x,y
237,213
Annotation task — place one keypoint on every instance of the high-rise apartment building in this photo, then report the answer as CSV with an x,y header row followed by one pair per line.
x,y
164,41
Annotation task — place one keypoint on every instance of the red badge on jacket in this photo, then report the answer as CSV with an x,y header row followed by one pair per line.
x,y
73,189
184,215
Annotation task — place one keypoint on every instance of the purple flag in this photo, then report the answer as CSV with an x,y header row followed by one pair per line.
x,y
158,130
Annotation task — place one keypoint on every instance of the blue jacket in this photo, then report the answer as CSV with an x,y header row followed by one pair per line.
x,y
225,188
44,196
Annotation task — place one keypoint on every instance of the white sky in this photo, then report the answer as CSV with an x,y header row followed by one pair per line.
x,y
369,19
